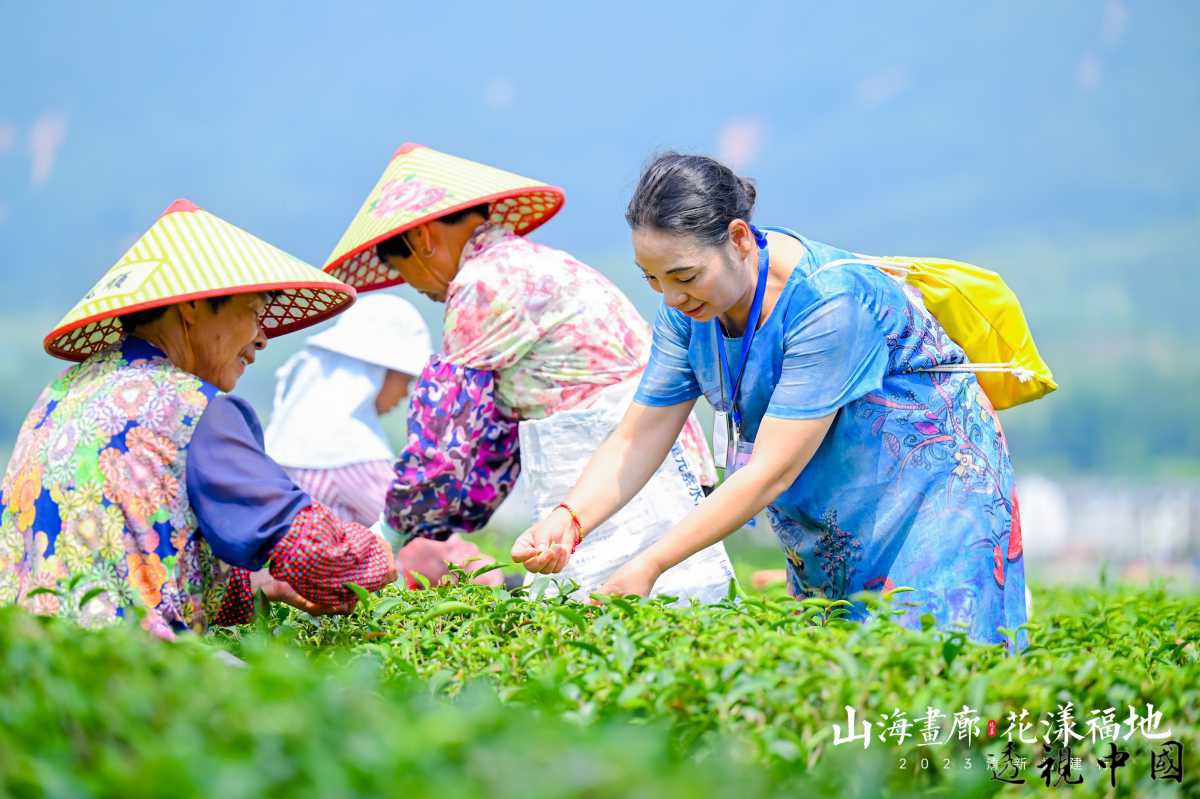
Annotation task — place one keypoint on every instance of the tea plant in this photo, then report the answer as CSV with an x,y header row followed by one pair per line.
x,y
779,674
114,713
498,692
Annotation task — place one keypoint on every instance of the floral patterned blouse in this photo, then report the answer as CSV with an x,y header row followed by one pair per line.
x,y
529,331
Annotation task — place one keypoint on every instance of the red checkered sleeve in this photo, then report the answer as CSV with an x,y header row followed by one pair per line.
x,y
237,607
320,553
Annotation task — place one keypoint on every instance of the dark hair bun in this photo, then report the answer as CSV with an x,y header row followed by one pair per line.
x,y
690,195
751,192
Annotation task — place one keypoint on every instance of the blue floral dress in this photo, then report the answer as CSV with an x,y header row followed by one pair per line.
x,y
912,485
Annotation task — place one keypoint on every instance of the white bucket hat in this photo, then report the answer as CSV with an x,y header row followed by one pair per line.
x,y
382,329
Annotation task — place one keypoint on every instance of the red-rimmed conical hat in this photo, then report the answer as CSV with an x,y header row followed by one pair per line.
x,y
420,185
190,254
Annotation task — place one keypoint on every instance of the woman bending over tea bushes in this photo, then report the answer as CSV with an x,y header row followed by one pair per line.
x,y
876,468
540,356
138,484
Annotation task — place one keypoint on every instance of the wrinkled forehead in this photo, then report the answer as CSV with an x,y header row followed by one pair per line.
x,y
658,251
257,301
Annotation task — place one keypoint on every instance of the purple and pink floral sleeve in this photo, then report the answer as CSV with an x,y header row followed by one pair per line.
x,y
462,456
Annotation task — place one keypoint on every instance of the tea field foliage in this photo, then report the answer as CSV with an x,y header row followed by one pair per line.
x,y
468,689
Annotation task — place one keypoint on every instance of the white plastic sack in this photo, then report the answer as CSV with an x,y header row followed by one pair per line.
x,y
554,452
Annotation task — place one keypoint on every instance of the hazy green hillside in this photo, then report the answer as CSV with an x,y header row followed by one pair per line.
x,y
1110,309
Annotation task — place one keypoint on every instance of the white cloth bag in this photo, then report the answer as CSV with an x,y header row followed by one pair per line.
x,y
554,452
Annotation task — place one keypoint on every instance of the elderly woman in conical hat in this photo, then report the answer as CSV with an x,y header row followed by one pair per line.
x,y
137,483
540,355
326,429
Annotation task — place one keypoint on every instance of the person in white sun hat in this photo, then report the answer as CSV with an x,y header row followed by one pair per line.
x,y
325,426
540,355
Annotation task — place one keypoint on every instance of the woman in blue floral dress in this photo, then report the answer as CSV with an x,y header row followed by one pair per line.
x,y
877,470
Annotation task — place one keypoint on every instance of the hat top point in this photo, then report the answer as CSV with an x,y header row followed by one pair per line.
x,y
181,205
405,148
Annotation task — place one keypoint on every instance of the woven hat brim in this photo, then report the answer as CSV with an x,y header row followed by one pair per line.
x,y
299,305
190,254
421,185
362,268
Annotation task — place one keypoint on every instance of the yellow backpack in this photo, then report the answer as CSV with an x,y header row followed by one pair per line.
x,y
983,316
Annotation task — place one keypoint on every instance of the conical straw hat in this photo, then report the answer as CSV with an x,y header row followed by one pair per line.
x,y
420,185
190,254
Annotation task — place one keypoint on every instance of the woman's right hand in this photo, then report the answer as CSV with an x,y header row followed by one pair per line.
x,y
432,558
280,591
619,469
546,547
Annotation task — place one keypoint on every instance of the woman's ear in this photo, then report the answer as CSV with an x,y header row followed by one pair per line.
x,y
188,311
420,240
742,238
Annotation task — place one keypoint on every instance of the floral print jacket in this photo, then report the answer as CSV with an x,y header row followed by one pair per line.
x,y
529,331
135,485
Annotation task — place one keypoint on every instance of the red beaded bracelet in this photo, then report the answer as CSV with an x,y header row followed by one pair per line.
x,y
575,523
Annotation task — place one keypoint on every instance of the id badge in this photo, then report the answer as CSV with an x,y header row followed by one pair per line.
x,y
720,435
728,445
739,455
